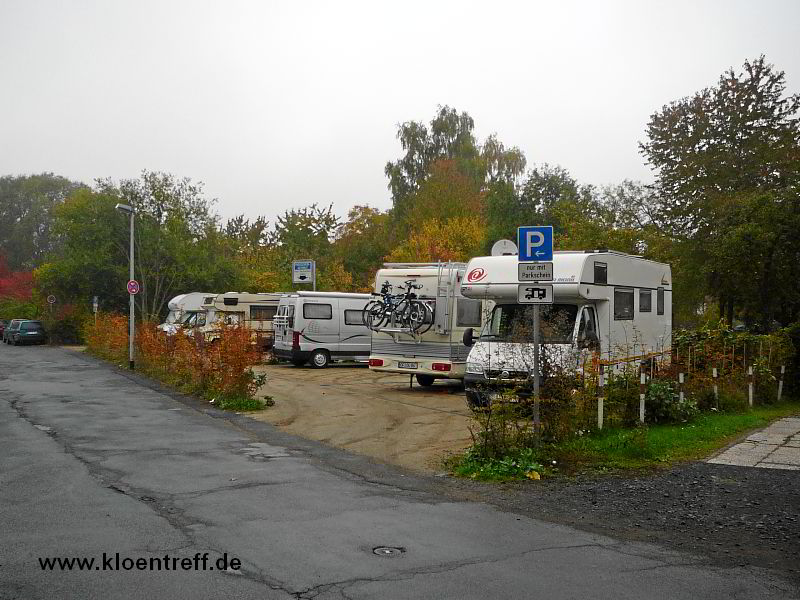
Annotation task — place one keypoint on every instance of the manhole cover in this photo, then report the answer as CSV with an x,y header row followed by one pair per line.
x,y
388,551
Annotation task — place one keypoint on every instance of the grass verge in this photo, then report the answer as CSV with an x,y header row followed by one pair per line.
x,y
610,450
240,404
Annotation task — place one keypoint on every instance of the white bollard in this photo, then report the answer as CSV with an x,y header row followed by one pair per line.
x,y
750,386
716,388
680,387
642,377
600,383
780,382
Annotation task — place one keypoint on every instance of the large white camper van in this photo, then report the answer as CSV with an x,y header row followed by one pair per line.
x,y
254,311
179,306
611,305
439,352
320,327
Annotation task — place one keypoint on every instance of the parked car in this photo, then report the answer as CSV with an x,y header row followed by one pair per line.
x,y
29,332
3,325
13,325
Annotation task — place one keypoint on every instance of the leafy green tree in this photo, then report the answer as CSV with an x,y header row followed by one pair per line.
x,y
178,245
26,206
92,256
445,194
246,234
726,158
362,243
305,233
455,239
546,196
448,140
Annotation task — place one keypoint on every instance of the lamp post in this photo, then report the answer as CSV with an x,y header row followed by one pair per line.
x,y
131,327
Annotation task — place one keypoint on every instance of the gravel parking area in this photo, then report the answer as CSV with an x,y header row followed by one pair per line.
x,y
369,413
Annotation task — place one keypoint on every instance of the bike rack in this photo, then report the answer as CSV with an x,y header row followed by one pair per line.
x,y
447,278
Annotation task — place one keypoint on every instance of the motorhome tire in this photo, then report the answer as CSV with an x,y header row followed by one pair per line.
x,y
425,380
320,359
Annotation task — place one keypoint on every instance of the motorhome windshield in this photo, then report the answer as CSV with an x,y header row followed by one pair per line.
x,y
193,319
514,323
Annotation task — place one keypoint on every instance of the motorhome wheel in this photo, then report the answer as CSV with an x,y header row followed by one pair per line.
x,y
320,359
425,380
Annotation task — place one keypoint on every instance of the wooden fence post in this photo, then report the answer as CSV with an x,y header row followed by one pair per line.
x,y
642,378
600,383
750,385
780,382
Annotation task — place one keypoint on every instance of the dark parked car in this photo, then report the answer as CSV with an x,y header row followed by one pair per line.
x,y
3,325
13,325
29,332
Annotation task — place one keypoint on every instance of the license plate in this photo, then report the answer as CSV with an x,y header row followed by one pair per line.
x,y
407,365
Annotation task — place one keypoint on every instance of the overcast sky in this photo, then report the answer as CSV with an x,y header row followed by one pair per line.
x,y
281,104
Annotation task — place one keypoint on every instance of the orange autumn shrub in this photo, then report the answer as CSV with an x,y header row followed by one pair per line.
x,y
108,337
220,371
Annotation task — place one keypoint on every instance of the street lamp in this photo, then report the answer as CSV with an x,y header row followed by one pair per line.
x,y
131,327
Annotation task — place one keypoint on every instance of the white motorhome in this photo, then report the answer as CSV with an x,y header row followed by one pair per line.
x,y
439,353
320,327
254,311
611,307
179,306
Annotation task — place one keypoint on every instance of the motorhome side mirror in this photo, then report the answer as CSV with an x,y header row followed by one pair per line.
x,y
469,339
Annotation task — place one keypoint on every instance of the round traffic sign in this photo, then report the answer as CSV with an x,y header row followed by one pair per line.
x,y
51,299
133,287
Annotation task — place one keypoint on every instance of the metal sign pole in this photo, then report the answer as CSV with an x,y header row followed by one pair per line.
x,y
314,270
132,331
536,360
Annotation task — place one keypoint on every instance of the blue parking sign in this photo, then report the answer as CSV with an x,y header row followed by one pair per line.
x,y
535,243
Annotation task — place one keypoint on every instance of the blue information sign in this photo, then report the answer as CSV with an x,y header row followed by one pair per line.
x,y
535,243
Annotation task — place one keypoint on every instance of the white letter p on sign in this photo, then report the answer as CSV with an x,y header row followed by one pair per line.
x,y
533,239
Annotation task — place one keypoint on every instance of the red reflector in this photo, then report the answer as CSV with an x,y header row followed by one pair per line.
x,y
441,366
375,362
295,339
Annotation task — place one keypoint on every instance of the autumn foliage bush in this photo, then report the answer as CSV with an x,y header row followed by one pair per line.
x,y
220,371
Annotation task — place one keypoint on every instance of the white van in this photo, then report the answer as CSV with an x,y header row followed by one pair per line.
x,y
319,327
254,311
438,353
607,306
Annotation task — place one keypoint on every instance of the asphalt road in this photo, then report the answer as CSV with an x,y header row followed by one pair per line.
x,y
93,461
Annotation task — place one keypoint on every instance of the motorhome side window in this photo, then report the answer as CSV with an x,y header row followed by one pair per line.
x,y
587,323
263,313
354,317
468,313
600,272
660,301
623,304
317,311
645,300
